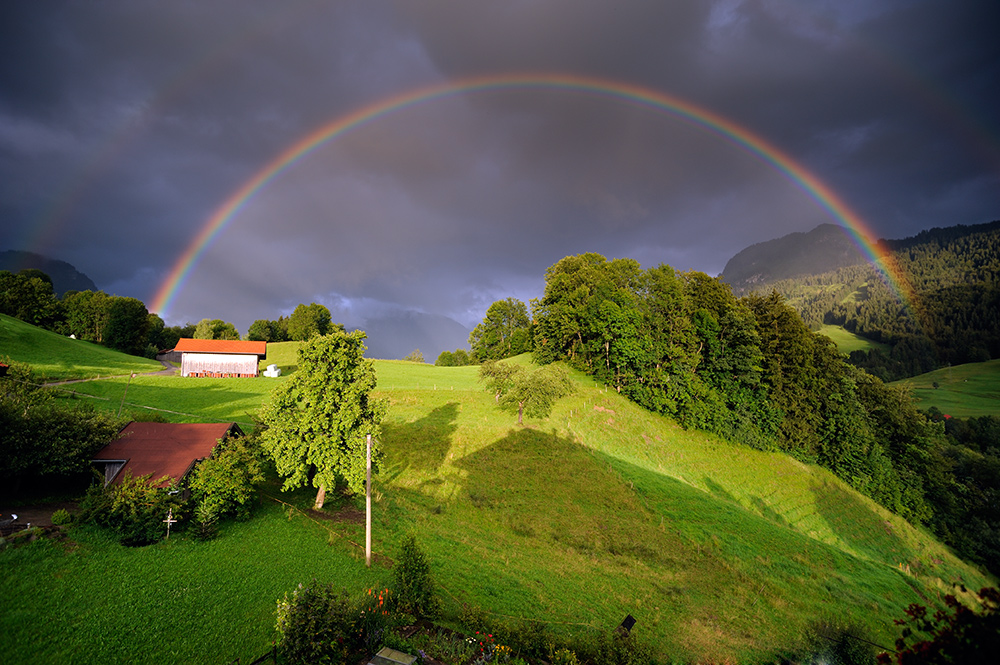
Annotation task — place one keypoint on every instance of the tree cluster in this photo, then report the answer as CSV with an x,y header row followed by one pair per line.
x,y
456,358
40,439
750,370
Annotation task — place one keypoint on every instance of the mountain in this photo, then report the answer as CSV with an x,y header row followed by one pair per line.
x,y
395,335
825,248
64,276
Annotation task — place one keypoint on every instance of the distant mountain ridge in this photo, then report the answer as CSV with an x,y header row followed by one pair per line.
x,y
827,247
64,276
395,335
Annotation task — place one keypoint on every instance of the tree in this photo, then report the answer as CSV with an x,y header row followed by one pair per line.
x,y
87,314
27,296
310,320
317,421
215,329
414,356
504,332
517,389
127,325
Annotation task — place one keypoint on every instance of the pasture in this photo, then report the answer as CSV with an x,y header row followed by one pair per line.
x,y
847,341
965,391
721,552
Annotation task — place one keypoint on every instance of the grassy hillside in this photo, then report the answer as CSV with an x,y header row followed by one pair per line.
x,y
55,357
721,552
847,341
969,390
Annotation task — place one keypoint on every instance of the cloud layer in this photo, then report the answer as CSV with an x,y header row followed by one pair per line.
x,y
125,125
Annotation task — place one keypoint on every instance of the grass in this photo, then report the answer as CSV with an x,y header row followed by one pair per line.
x,y
966,391
847,341
721,552
54,357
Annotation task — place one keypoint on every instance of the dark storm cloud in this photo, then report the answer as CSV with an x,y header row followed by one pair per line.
x,y
125,125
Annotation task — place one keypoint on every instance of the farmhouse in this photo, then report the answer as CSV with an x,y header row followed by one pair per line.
x,y
220,357
161,449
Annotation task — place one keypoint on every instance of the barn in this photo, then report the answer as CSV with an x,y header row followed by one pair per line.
x,y
160,449
220,357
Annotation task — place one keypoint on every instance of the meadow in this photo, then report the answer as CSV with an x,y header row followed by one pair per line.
x,y
602,509
847,341
965,391
54,357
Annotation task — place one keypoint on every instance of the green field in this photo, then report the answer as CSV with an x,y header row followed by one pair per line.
x,y
847,341
965,391
721,552
54,357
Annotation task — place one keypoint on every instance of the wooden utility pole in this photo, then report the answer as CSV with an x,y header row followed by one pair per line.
x,y
368,505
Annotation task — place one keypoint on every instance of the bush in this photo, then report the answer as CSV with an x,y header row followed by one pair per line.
x,y
61,517
134,509
226,482
318,624
412,583
315,625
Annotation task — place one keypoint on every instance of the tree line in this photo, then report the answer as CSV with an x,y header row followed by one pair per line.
x,y
750,369
124,323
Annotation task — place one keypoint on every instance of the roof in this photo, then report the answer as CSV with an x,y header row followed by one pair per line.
x,y
163,449
188,345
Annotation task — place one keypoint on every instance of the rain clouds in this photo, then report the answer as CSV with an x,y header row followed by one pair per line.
x,y
125,125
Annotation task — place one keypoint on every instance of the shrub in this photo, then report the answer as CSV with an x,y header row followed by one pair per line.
x,y
226,482
134,509
412,583
206,522
315,625
61,517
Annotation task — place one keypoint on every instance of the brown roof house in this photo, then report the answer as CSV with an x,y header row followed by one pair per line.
x,y
220,357
161,449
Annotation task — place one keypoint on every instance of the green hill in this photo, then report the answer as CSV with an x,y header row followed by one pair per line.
x,y
721,552
965,391
54,357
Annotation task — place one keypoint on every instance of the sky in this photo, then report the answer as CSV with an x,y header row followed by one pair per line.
x,y
127,126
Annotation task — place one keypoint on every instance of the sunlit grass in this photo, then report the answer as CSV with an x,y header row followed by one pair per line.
x,y
969,390
54,357
847,341
602,509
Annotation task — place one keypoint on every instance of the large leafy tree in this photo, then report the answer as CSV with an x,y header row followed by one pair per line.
x,y
215,329
27,296
517,389
310,320
127,325
316,422
504,332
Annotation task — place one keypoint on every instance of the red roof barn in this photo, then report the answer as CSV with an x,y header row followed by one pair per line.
x,y
220,357
161,449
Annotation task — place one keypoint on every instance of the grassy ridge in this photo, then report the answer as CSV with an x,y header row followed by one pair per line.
x,y
965,391
847,341
54,357
720,551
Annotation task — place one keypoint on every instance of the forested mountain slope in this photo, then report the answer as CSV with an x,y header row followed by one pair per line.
x,y
952,316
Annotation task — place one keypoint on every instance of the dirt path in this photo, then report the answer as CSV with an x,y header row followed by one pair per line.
x,y
169,370
37,514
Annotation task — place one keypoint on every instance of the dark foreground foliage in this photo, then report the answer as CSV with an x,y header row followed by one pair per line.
x,y
961,636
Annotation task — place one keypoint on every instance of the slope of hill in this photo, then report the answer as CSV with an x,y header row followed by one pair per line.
x,y
64,276
964,391
825,248
54,357
721,552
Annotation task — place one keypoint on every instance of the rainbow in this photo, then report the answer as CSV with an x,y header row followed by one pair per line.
x,y
655,100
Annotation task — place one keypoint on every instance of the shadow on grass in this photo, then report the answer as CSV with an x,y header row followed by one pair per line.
x,y
426,441
856,522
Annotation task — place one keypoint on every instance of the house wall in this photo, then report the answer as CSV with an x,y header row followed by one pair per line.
x,y
218,364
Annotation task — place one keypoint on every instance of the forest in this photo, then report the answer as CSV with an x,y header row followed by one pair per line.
x,y
751,370
953,316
